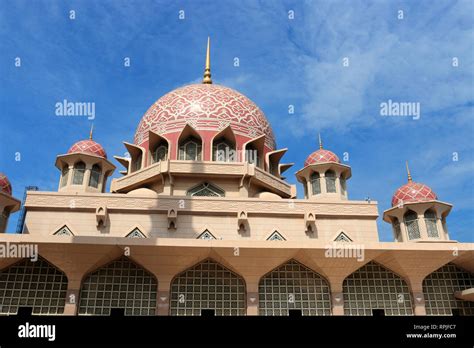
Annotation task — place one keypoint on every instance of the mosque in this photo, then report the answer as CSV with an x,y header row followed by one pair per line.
x,y
202,222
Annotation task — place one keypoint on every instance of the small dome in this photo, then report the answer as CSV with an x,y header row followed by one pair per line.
x,y
413,192
5,185
88,146
321,156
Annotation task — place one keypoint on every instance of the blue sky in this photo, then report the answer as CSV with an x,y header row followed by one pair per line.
x,y
283,62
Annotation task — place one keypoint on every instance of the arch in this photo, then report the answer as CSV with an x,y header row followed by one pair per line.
x,y
96,173
330,177
78,173
431,223
293,286
119,284
136,233
315,180
189,145
206,189
342,237
411,222
374,287
206,235
208,285
223,146
439,290
64,175
38,285
276,236
253,150
158,146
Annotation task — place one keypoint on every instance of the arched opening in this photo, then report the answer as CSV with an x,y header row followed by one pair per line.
x,y
330,177
38,287
160,153
411,223
190,149
96,173
439,289
79,170
293,287
120,285
137,163
64,175
223,151
431,224
208,286
315,183
373,289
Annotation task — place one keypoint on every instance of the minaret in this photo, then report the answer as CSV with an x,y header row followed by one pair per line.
x,y
207,71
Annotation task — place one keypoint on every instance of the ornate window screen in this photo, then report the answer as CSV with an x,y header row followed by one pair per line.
x,y
96,172
330,181
208,285
78,173
411,222
160,154
120,284
206,189
431,226
136,233
63,231
375,287
294,286
38,284
276,236
315,183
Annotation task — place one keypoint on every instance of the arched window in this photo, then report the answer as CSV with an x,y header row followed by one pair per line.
x,y
223,152
251,155
343,185
137,163
396,229
411,222
190,150
431,226
79,169
206,189
64,175
330,181
95,176
315,183
160,153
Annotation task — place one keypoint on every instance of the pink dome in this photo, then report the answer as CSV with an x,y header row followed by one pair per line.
x,y
5,185
89,147
206,107
413,192
321,156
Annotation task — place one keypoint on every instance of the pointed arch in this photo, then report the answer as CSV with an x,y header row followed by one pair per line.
x,y
190,145
135,233
208,285
343,237
206,189
64,231
158,147
121,284
224,140
275,235
206,235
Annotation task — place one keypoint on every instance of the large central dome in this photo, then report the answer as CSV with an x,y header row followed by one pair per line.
x,y
205,107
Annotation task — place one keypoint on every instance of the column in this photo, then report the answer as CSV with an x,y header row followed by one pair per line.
x,y
252,294
71,307
422,226
163,295
337,301
87,176
416,290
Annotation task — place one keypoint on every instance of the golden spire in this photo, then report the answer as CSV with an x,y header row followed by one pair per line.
x,y
207,71
408,172
92,130
320,141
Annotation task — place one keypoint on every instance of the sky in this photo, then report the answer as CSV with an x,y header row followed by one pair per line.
x,y
333,62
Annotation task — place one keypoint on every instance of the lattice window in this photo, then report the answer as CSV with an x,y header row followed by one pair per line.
x,y
96,173
208,285
276,236
330,181
160,154
315,183
64,231
294,286
136,233
206,235
411,223
38,285
431,224
206,189
190,150
439,288
374,287
119,284
342,237
223,152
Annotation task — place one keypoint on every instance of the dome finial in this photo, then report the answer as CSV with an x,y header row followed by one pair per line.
x,y
408,172
320,141
92,130
207,71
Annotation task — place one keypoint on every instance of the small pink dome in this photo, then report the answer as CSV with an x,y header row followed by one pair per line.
x,y
321,156
5,185
413,192
89,147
